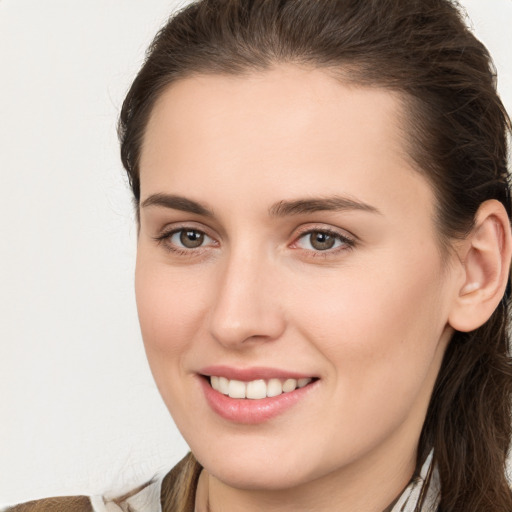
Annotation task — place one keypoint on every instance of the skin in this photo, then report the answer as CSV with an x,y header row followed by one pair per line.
x,y
369,318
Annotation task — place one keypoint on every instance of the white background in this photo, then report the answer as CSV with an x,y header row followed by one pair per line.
x,y
79,412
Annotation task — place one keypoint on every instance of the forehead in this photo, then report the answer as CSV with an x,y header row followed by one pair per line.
x,y
274,109
281,132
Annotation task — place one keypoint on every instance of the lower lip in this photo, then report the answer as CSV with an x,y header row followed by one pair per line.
x,y
248,411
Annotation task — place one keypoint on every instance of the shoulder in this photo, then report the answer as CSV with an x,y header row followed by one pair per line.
x,y
174,491
61,504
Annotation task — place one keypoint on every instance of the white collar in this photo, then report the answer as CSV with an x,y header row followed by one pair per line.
x,y
424,492
146,500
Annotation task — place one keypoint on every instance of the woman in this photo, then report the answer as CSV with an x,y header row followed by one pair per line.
x,y
323,253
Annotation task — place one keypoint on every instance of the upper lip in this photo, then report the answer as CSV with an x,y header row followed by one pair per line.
x,y
252,373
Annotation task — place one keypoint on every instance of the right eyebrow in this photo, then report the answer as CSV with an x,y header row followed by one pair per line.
x,y
176,203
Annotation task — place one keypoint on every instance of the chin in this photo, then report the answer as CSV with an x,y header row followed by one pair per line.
x,y
254,468
257,476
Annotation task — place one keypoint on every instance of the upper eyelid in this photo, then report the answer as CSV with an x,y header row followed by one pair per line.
x,y
312,228
324,230
169,229
350,242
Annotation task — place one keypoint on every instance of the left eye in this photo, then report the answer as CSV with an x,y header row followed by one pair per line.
x,y
189,238
321,241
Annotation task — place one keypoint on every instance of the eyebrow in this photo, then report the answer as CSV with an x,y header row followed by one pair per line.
x,y
177,203
312,205
280,209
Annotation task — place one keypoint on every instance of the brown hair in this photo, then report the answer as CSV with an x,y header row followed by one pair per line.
x,y
60,504
457,130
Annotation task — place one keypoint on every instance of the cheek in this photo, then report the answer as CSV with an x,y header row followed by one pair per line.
x,y
170,304
170,307
379,329
380,335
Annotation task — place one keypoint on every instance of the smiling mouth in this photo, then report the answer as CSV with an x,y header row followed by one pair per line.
x,y
256,389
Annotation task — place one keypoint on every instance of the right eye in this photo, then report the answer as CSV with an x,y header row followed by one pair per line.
x,y
185,239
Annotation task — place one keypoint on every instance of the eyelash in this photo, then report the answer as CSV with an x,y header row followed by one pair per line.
x,y
346,242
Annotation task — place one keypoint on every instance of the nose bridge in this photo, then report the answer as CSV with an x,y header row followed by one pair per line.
x,y
246,305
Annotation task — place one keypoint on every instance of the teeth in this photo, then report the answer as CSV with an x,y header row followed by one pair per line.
x,y
274,387
289,385
303,382
256,389
223,386
236,389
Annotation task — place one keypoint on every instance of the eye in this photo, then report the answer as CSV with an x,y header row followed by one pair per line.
x,y
185,239
323,240
188,238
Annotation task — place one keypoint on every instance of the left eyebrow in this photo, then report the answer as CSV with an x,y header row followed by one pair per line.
x,y
312,205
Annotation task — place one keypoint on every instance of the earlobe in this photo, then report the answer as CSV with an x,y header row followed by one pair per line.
x,y
486,267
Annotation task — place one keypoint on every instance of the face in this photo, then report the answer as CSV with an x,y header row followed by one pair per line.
x,y
287,251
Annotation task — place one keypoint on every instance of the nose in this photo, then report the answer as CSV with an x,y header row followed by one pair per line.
x,y
246,308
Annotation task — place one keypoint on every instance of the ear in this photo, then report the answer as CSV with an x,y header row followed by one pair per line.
x,y
485,257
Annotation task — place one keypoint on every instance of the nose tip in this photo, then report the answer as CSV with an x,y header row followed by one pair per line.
x,y
235,332
246,309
